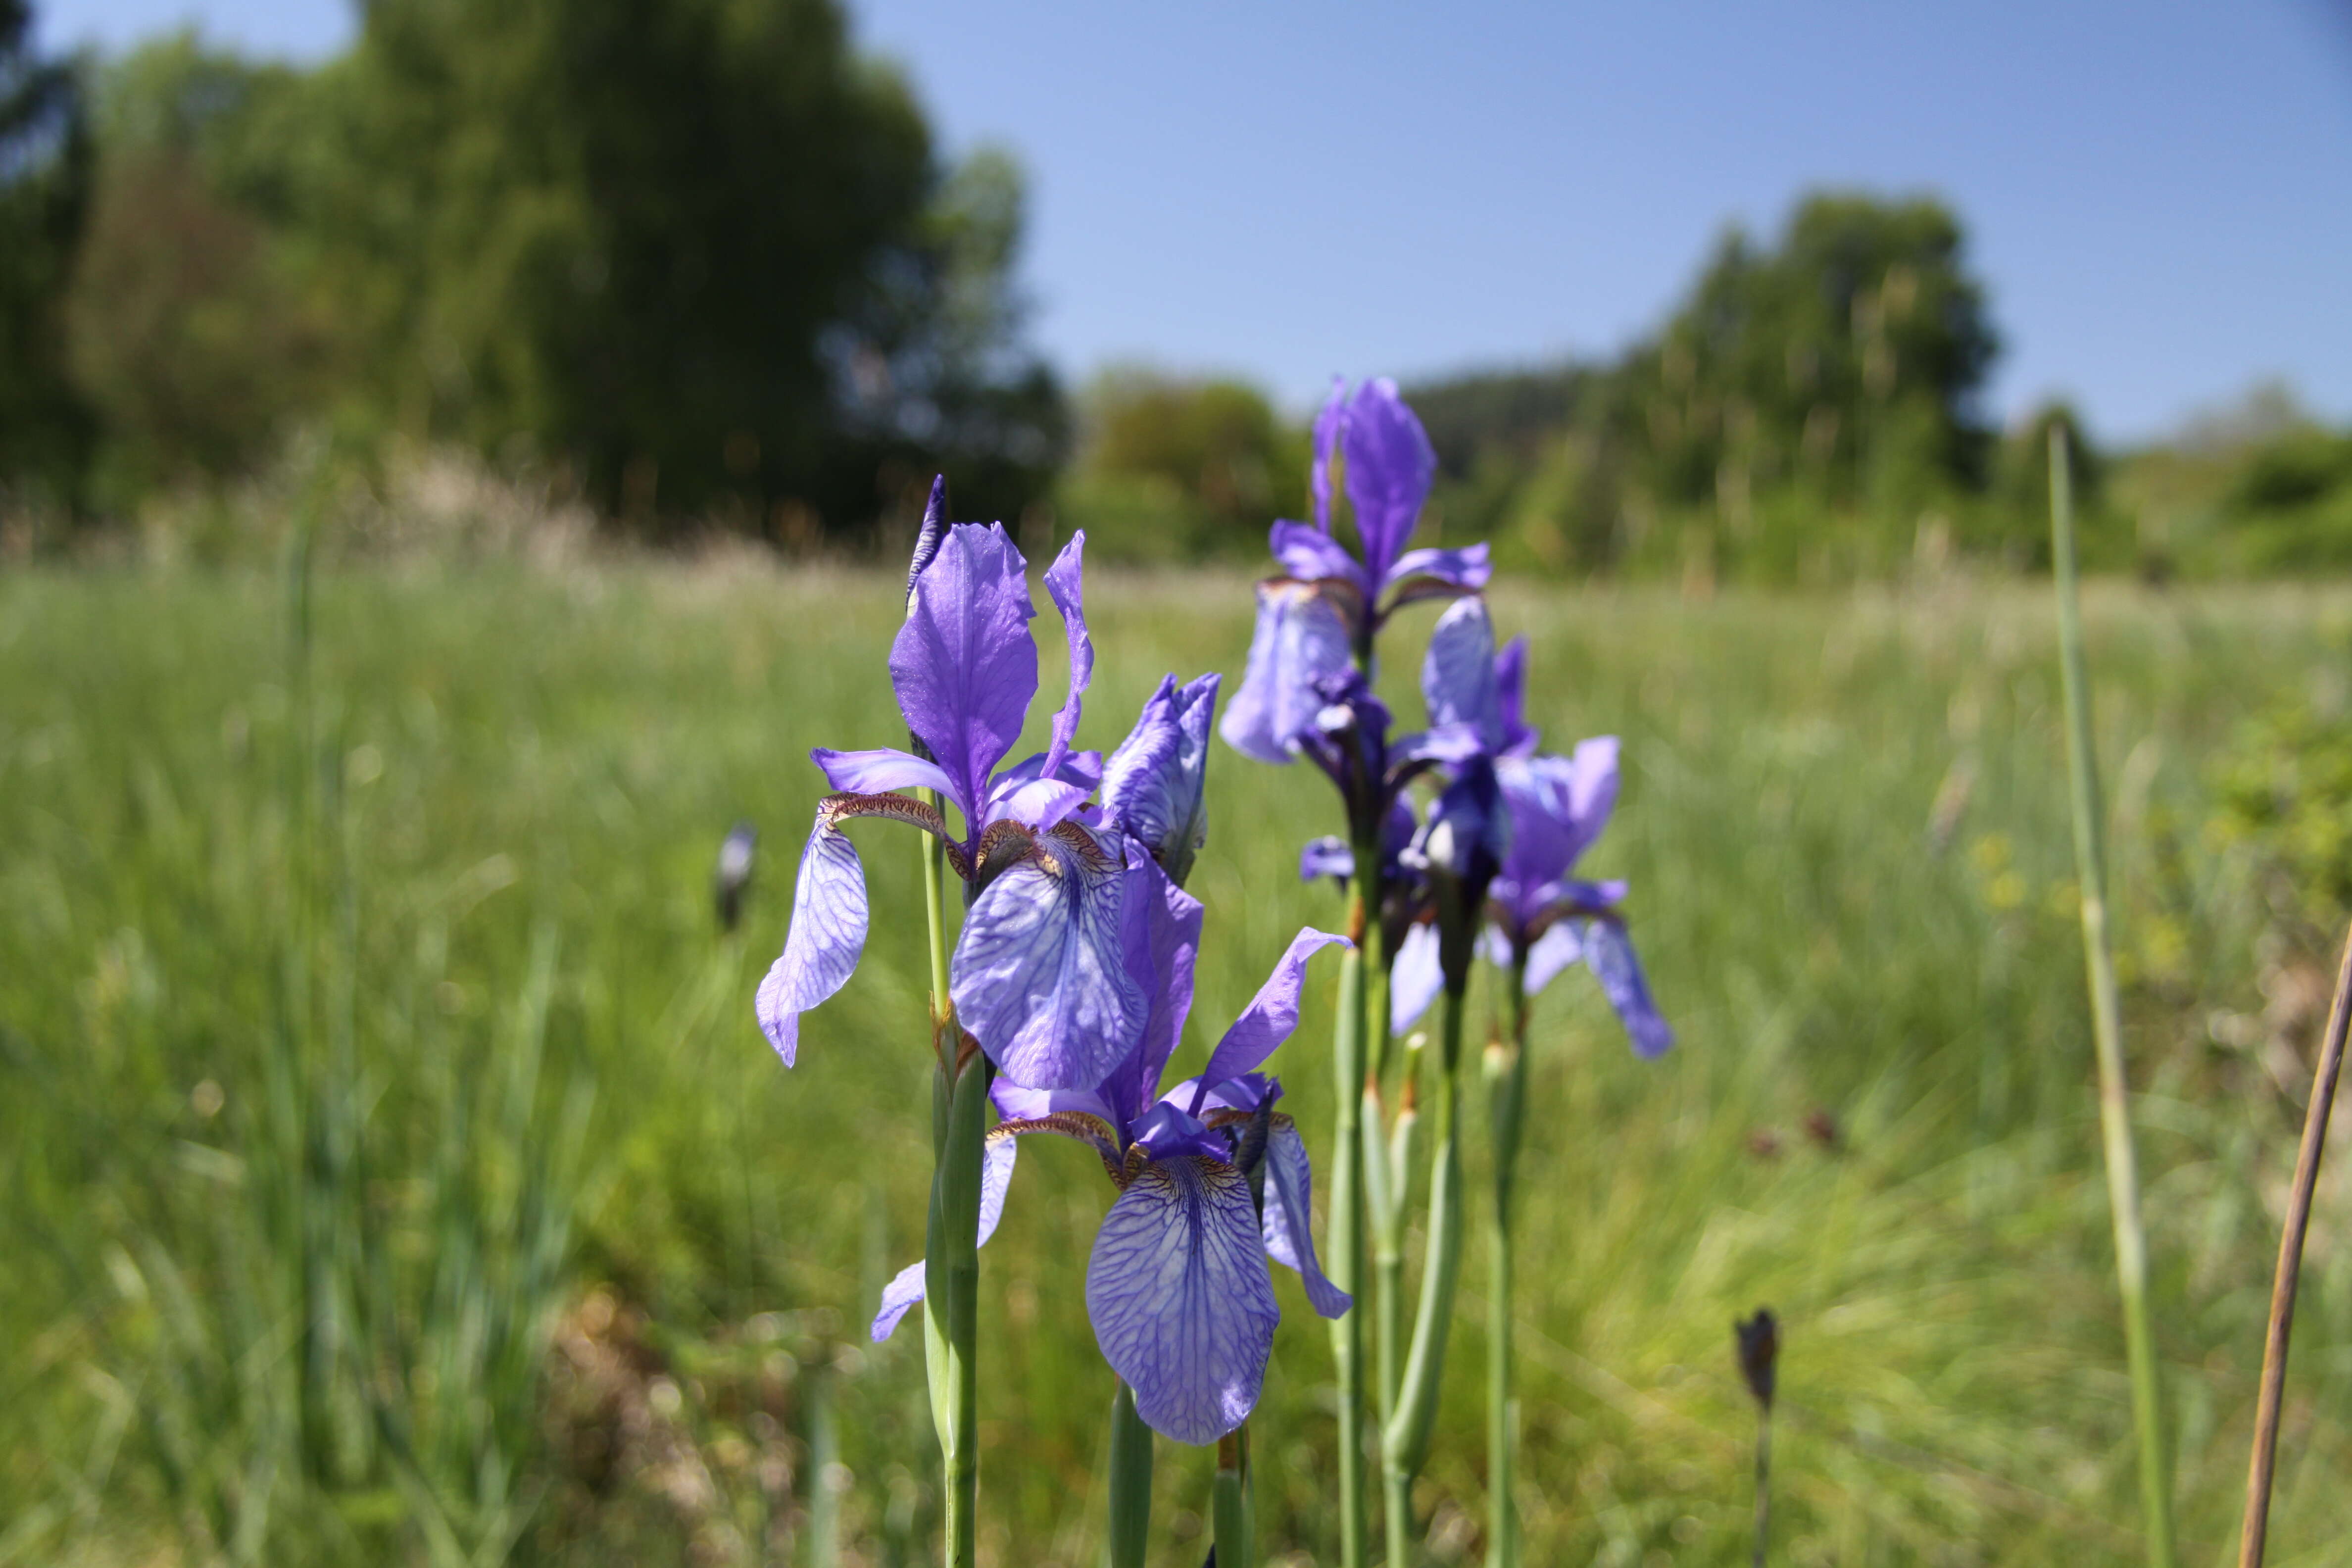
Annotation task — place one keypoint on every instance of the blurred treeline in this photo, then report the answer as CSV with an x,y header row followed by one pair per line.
x,y
692,262
690,266
1809,412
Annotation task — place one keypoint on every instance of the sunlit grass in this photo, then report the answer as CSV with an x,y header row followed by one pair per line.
x,y
504,770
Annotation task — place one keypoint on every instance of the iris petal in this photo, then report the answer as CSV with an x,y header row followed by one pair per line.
x,y
1457,674
1438,575
963,666
1328,420
1160,938
871,773
1415,977
1272,1014
1152,784
1611,955
1390,466
1289,1212
905,1287
1180,1300
1065,584
1039,977
826,936
1326,857
1311,555
1549,954
1300,636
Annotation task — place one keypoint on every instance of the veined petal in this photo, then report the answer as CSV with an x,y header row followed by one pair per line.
x,y
1390,466
1272,1014
1415,977
1554,951
905,1288
1160,938
963,666
826,936
1152,785
1610,954
1301,637
1064,585
1040,803
1039,976
872,772
1326,857
1289,1213
1180,1303
1457,674
1311,554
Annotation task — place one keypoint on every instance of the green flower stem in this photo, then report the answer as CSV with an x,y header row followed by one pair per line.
x,y
1507,1087
1235,1509
2106,1024
935,909
951,1302
1404,1441
1347,1250
1384,1191
1131,1482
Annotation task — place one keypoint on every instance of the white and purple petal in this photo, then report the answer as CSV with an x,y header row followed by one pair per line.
x,y
1415,977
823,944
1457,674
1554,951
1300,637
1310,554
1039,976
963,666
1178,1293
1153,784
1288,1217
884,768
1326,857
1432,573
1159,939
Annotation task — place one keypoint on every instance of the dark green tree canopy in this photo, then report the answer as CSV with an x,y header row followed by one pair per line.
x,y
43,179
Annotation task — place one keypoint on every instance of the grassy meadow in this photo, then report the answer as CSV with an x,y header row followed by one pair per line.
x,y
393,1171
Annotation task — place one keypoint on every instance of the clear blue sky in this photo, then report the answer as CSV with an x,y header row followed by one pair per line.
x,y
2159,193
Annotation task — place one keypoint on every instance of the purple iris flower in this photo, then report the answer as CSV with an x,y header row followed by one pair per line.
x,y
1557,807
1324,613
1152,787
1209,1177
1038,976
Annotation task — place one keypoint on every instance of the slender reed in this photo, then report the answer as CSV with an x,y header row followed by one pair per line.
x,y
1404,1442
1233,1506
1506,1080
1346,1269
2114,1112
1131,1482
2290,1268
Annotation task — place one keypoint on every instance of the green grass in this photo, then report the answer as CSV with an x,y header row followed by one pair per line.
x,y
427,910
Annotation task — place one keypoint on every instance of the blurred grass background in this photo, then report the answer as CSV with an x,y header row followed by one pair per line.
x,y
395,1172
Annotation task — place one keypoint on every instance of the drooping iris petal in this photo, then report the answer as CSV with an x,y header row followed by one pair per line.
x,y
1557,807
1152,785
1326,857
963,666
1549,954
1288,1213
871,773
1180,1300
1039,975
1272,1014
1390,465
1301,637
823,944
1415,977
1160,938
1312,555
1611,957
1457,674
1065,581
905,1288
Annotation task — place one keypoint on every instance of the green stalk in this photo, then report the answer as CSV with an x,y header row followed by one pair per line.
x,y
1347,1267
1507,1087
935,908
1404,1442
1385,1190
951,1303
2106,1028
1235,1508
1131,1482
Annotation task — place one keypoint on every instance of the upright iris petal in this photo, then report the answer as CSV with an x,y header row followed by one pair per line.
x,y
1300,638
1390,466
1153,784
963,666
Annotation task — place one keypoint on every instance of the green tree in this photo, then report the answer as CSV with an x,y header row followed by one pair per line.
x,y
43,179
1175,468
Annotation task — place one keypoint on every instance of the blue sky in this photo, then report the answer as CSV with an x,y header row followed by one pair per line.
x,y
2158,195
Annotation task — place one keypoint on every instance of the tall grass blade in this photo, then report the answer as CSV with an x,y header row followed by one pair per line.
x,y
2260,1470
2107,1023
